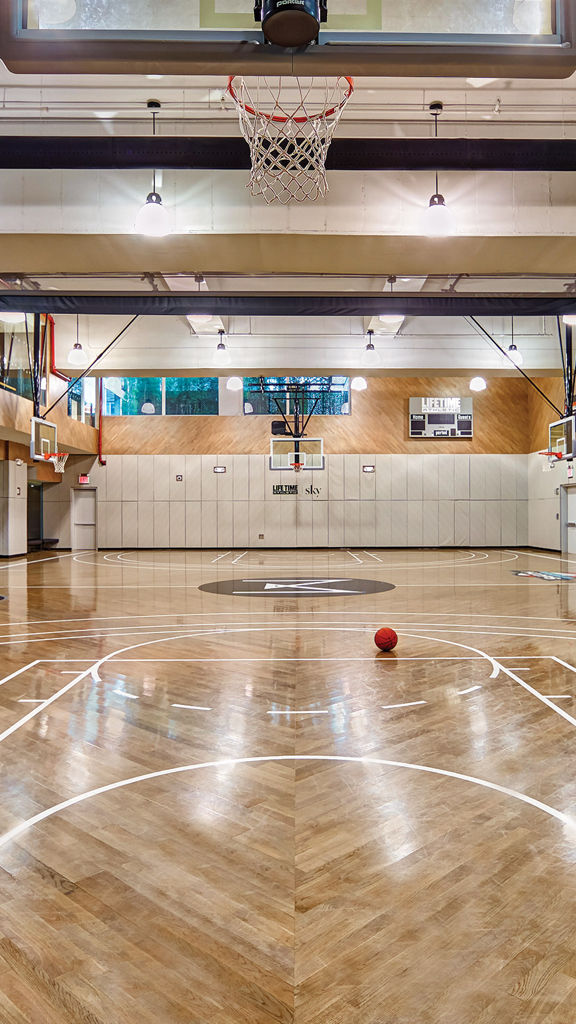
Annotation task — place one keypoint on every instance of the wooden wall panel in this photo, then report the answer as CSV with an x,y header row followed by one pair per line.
x,y
15,414
378,423
539,412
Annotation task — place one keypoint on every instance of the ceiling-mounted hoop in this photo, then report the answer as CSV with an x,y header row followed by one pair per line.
x,y
282,119
288,123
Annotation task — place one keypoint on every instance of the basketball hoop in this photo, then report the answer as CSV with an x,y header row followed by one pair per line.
x,y
553,459
297,466
58,460
288,124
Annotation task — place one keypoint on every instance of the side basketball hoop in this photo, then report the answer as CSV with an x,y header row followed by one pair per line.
x,y
288,124
553,458
58,460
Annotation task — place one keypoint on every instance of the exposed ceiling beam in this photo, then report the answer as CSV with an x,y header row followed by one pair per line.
x,y
231,153
275,253
287,303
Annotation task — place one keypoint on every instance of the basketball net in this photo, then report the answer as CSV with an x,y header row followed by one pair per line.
x,y
58,460
297,466
288,124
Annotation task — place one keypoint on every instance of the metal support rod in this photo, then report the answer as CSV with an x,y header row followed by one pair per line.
x,y
565,377
283,414
310,414
472,319
91,366
570,369
36,364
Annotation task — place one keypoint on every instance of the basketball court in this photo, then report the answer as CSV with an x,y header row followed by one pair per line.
x,y
287,513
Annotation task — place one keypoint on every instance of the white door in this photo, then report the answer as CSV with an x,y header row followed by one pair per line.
x,y
571,520
84,535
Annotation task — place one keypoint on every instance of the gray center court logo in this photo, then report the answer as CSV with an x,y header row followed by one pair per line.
x,y
297,586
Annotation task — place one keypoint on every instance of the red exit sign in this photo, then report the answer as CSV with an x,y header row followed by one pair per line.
x,y
83,479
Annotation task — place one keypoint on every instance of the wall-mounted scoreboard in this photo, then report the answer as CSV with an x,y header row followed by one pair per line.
x,y
441,417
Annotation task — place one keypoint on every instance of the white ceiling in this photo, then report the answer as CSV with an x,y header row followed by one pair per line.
x,y
166,344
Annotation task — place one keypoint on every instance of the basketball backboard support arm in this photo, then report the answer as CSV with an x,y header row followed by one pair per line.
x,y
478,326
297,393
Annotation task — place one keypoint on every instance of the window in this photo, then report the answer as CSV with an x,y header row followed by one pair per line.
x,y
132,396
159,396
328,396
191,396
75,400
15,361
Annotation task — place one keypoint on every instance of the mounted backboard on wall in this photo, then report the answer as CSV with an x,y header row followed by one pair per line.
x,y
562,437
43,438
285,452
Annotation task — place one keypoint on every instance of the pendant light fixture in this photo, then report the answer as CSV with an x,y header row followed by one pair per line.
x,y
148,408
358,383
77,355
513,352
438,222
199,318
222,355
392,319
153,217
234,384
477,384
370,356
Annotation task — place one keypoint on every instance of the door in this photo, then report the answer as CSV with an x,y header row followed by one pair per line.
x,y
35,531
84,530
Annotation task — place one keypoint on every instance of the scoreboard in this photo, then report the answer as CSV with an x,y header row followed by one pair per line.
x,y
441,417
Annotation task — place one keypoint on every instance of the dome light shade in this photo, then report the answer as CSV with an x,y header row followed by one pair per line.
x,y
13,318
477,384
569,319
222,355
515,355
234,384
370,356
152,218
148,408
438,221
391,319
358,384
77,356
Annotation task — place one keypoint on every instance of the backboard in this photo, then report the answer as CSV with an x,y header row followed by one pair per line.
x,y
43,438
562,437
286,451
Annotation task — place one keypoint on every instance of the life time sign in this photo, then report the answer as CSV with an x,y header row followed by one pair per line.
x,y
441,417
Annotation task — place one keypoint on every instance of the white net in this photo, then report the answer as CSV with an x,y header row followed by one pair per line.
x,y
58,460
288,124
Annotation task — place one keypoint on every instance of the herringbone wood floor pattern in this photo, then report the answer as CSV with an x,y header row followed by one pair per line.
x,y
291,827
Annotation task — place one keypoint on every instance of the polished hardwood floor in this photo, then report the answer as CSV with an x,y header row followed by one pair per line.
x,y
231,808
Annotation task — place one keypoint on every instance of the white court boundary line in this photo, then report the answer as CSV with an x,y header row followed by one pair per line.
x,y
553,812
93,669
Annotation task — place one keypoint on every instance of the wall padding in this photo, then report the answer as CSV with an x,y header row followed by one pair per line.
x,y
410,501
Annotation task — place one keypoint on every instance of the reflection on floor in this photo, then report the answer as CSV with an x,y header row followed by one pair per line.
x,y
235,809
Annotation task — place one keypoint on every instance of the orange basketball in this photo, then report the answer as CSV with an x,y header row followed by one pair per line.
x,y
386,639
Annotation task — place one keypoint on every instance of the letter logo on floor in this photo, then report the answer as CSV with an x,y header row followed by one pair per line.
x,y
297,586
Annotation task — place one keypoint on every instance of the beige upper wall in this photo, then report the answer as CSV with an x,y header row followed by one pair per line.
x,y
287,254
378,424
